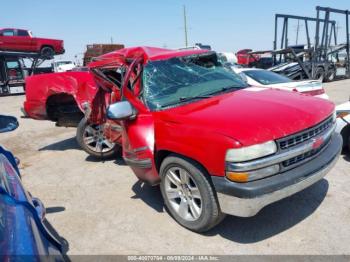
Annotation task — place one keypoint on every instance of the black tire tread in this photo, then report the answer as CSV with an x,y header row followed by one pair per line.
x,y
45,56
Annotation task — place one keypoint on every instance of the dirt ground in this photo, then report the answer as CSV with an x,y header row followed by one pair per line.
x,y
101,208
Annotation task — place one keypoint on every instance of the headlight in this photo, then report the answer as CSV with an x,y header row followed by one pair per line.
x,y
251,152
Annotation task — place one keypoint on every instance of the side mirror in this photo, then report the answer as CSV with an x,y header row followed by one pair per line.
x,y
8,123
120,111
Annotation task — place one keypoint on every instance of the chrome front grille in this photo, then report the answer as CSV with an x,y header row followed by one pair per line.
x,y
300,158
293,140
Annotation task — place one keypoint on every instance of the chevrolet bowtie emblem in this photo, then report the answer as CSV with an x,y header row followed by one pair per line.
x,y
317,142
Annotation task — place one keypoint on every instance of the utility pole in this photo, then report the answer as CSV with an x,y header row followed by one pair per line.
x,y
185,26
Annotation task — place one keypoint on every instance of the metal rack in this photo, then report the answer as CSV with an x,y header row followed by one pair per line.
x,y
319,54
36,58
7,84
322,47
284,37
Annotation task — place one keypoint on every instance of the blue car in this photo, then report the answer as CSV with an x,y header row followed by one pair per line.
x,y
25,235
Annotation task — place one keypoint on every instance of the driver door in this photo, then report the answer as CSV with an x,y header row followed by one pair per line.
x,y
138,132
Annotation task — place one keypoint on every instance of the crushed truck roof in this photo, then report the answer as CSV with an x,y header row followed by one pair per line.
x,y
147,53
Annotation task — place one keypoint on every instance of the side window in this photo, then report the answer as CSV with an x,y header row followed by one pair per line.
x,y
8,32
12,65
22,33
114,75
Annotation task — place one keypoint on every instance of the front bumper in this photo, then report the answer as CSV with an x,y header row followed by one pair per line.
x,y
247,199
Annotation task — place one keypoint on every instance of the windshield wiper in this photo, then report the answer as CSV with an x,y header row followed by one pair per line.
x,y
186,99
209,95
223,90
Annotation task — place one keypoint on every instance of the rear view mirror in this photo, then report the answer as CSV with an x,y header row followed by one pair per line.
x,y
120,111
8,123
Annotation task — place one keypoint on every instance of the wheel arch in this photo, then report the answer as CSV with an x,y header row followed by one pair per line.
x,y
61,103
46,45
160,155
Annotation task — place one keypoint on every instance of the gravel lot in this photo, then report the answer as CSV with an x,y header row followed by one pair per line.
x,y
101,208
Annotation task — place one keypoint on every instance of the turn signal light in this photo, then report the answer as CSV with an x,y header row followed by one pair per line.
x,y
237,176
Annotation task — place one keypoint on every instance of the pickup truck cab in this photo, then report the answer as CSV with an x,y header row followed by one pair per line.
x,y
21,40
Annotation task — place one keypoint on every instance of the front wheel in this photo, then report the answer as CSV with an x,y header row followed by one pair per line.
x,y
91,139
188,194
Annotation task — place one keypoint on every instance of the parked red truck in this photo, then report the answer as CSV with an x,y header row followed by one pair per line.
x,y
21,40
215,145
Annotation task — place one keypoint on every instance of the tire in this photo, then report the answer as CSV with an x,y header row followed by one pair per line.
x,y
330,75
319,74
345,133
47,52
91,139
191,202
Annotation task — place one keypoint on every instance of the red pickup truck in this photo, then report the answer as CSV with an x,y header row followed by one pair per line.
x,y
215,145
21,40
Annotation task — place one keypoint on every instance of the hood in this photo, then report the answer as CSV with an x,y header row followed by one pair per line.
x,y
252,115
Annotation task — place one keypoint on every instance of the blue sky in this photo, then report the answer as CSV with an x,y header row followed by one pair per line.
x,y
227,25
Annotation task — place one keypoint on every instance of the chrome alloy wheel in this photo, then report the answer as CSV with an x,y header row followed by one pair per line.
x,y
183,193
95,139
